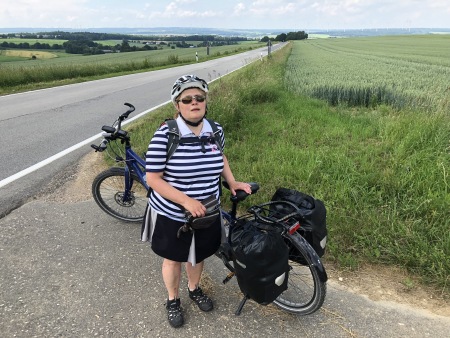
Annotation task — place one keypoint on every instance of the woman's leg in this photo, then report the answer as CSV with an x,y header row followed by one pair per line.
x,y
194,274
195,292
171,272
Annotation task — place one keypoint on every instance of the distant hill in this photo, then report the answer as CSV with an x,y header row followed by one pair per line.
x,y
380,31
251,33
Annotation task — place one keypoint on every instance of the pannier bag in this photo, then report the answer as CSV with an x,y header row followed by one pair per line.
x,y
260,259
313,216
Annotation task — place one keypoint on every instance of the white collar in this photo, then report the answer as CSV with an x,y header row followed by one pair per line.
x,y
184,129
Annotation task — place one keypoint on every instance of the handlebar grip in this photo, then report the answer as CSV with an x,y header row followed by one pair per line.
x,y
97,148
241,194
128,112
101,147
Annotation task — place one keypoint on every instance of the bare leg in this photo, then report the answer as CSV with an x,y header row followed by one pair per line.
x,y
196,293
194,274
171,272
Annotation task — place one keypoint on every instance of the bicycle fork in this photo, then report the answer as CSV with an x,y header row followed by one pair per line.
x,y
127,194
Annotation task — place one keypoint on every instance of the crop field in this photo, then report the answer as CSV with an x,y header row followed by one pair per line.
x,y
404,72
13,54
111,58
381,149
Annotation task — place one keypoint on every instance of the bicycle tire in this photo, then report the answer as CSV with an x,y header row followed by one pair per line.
x,y
306,284
108,190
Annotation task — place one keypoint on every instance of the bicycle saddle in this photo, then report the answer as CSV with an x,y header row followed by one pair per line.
x,y
241,194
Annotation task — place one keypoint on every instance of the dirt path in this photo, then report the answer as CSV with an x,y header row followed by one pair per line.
x,y
378,283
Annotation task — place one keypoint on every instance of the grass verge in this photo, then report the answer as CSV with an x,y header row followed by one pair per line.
x,y
382,173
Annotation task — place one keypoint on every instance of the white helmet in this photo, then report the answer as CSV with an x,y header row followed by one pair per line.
x,y
185,82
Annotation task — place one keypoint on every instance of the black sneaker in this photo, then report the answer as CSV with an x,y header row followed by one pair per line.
x,y
203,301
174,314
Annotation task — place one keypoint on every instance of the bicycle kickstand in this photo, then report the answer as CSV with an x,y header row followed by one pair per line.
x,y
241,305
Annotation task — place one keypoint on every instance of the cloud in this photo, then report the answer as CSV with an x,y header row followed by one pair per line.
x,y
282,14
178,10
239,9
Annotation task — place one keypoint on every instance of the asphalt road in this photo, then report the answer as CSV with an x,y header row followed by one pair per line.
x,y
41,124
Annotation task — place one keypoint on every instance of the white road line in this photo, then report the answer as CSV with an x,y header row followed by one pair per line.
x,y
53,158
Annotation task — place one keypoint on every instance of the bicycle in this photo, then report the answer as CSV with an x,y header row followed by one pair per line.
x,y
307,276
122,193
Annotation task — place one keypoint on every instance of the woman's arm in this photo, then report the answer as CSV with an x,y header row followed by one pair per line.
x,y
157,183
228,176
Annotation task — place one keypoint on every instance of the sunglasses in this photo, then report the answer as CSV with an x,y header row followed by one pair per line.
x,y
188,98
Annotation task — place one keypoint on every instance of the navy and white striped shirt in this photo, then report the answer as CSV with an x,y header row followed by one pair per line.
x,y
190,170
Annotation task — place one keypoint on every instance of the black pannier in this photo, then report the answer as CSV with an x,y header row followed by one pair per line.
x,y
313,216
260,259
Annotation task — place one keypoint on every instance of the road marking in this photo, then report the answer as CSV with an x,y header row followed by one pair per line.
x,y
53,158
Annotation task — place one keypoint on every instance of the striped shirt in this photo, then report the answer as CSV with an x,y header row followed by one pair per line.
x,y
190,170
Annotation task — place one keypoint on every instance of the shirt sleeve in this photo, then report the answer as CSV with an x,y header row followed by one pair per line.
x,y
155,157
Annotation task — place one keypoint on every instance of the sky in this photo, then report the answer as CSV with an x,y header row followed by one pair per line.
x,y
226,14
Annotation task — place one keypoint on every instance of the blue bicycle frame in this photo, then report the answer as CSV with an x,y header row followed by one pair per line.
x,y
134,163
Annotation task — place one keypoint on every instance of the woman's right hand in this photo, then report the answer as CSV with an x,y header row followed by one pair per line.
x,y
196,208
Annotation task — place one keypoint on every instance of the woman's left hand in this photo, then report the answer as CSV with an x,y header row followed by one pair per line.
x,y
239,186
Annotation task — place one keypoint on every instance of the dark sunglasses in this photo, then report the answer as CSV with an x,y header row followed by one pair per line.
x,y
188,98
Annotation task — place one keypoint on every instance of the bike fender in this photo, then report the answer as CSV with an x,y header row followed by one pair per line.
x,y
317,263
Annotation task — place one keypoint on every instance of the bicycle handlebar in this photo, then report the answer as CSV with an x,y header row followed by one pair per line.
x,y
115,131
128,112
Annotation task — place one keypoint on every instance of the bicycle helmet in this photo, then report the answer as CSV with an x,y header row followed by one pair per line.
x,y
185,82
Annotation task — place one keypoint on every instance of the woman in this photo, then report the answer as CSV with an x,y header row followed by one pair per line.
x,y
178,185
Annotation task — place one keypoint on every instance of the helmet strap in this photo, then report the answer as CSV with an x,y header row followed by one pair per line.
x,y
193,124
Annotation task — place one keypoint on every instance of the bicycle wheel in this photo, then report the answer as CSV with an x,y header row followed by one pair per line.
x,y
306,284
109,193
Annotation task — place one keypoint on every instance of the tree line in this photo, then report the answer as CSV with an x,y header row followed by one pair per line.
x,y
112,36
300,35
84,42
27,45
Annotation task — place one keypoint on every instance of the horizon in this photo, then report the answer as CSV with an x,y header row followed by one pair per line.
x,y
200,29
293,15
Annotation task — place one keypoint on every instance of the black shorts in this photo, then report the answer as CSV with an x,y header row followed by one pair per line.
x,y
165,243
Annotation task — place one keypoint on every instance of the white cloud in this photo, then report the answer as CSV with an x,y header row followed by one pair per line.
x,y
295,14
239,9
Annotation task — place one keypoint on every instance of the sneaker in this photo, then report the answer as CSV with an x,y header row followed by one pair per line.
x,y
174,314
203,301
